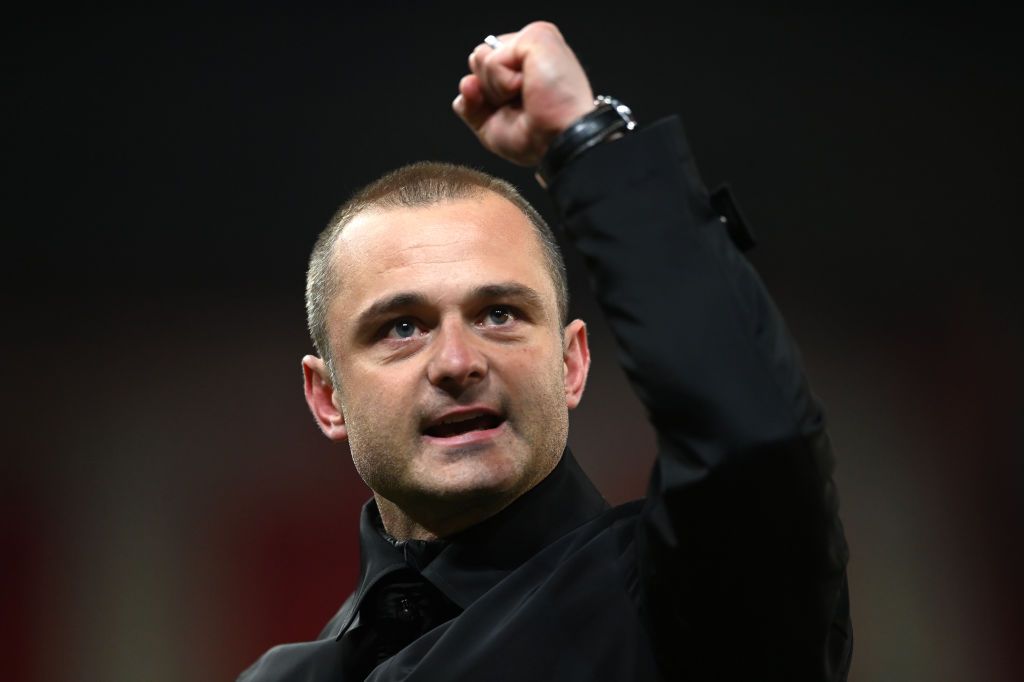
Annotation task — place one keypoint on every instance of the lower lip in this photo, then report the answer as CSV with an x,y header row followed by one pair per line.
x,y
475,437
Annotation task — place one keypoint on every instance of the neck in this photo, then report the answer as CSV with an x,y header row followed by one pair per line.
x,y
402,525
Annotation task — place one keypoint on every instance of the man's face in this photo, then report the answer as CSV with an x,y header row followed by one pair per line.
x,y
454,377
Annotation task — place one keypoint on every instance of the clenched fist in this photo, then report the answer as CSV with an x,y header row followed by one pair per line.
x,y
519,96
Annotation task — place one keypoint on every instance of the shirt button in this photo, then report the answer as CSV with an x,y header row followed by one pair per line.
x,y
406,611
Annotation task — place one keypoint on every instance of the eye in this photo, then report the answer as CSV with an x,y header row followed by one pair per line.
x,y
402,328
499,315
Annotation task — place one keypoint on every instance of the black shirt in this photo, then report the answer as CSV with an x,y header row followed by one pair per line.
x,y
731,568
407,588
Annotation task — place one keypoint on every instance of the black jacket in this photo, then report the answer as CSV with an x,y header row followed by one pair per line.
x,y
732,567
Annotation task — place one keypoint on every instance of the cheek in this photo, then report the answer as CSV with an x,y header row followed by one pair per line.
x,y
372,404
365,384
540,379
374,443
378,409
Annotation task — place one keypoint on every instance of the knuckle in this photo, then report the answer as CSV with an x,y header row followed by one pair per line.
x,y
544,29
541,26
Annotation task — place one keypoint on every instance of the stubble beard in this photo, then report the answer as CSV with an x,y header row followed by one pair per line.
x,y
536,429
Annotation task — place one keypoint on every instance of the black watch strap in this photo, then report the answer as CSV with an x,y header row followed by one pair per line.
x,y
608,118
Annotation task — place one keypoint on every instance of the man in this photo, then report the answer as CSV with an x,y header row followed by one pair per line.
x,y
437,303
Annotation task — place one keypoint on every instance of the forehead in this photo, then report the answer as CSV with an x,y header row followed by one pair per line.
x,y
437,250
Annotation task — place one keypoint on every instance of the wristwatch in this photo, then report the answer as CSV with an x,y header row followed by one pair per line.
x,y
609,118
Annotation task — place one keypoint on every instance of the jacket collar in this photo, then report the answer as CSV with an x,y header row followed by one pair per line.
x,y
468,564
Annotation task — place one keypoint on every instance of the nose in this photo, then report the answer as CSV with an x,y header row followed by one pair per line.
x,y
456,362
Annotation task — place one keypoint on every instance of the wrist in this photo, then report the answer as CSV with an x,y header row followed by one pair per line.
x,y
608,120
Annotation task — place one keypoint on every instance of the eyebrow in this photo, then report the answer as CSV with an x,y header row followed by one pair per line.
x,y
412,299
386,306
510,290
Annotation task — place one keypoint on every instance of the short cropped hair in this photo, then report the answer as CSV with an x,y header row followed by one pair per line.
x,y
415,185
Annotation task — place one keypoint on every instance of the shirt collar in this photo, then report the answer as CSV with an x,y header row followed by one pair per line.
x,y
473,561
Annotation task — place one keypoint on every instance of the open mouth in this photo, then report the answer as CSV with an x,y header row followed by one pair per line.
x,y
458,425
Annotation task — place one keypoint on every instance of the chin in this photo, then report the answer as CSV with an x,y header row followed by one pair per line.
x,y
476,475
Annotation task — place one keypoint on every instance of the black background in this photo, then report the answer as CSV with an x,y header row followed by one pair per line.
x,y
169,168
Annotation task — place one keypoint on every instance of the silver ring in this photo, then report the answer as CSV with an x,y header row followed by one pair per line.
x,y
492,42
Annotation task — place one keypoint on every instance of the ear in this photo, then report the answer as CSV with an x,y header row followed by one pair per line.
x,y
320,396
576,359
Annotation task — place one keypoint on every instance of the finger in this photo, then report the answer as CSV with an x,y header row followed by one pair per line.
x,y
470,88
499,41
474,115
471,105
499,71
482,52
500,83
470,98
477,57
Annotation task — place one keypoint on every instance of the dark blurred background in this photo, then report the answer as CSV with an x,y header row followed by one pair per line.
x,y
168,510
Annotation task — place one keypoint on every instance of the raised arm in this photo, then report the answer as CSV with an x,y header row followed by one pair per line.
x,y
741,553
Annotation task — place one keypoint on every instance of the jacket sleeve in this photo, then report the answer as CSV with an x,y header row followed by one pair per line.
x,y
741,553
